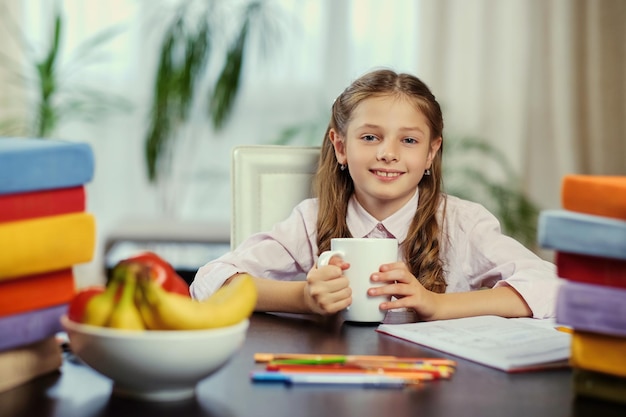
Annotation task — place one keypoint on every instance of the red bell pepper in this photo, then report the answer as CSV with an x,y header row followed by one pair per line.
x,y
77,306
162,272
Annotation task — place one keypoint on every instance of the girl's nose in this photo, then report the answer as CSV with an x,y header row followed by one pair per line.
x,y
386,153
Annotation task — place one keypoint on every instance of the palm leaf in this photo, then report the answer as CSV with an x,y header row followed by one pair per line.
x,y
46,79
46,119
183,70
163,91
85,51
175,84
227,86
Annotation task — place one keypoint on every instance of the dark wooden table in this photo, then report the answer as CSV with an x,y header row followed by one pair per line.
x,y
474,390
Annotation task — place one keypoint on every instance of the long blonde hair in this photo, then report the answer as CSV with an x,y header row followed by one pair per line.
x,y
334,187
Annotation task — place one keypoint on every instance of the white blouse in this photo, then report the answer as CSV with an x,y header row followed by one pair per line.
x,y
474,252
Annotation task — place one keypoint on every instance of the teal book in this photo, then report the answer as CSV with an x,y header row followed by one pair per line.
x,y
28,164
585,234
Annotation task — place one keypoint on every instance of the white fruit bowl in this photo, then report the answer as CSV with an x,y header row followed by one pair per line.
x,y
155,365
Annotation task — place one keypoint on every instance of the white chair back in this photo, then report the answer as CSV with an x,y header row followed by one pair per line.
x,y
268,181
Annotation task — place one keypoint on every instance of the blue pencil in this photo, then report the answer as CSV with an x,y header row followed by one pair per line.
x,y
367,381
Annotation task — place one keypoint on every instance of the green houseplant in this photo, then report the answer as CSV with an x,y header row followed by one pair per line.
x,y
200,63
477,170
46,81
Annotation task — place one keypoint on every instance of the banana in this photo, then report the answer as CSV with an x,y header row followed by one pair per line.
x,y
125,315
98,310
145,310
229,305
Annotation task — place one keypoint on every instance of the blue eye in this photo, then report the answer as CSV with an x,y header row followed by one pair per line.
x,y
369,138
409,140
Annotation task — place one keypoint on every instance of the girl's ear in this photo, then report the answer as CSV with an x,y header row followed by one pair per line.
x,y
339,145
435,144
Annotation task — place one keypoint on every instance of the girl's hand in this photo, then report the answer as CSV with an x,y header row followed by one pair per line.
x,y
403,285
327,290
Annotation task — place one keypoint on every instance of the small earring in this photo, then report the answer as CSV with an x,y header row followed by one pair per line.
x,y
342,167
427,172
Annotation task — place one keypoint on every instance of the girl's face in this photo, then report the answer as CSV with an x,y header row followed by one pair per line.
x,y
387,149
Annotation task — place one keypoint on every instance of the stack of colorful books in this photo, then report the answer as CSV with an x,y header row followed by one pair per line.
x,y
44,231
589,239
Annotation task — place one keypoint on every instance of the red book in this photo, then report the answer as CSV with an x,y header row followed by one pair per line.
x,y
34,292
595,194
22,206
591,269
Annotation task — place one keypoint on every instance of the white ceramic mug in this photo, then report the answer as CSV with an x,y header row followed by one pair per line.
x,y
365,257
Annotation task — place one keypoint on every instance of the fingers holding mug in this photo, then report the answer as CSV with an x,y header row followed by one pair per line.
x,y
364,256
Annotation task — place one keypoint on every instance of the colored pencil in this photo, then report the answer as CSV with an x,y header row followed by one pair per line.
x,y
308,358
367,381
322,369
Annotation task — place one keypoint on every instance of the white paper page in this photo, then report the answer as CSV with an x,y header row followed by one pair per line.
x,y
506,344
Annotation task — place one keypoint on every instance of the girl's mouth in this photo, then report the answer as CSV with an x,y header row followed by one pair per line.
x,y
387,174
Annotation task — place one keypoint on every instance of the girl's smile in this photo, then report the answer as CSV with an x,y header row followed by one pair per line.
x,y
386,174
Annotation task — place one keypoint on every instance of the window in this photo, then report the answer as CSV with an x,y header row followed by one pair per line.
x,y
326,44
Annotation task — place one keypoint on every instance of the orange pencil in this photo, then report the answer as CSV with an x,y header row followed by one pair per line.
x,y
435,371
409,376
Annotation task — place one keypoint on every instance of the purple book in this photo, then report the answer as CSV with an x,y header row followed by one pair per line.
x,y
29,327
592,308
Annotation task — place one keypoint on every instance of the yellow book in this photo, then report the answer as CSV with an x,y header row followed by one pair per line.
x,y
46,243
598,352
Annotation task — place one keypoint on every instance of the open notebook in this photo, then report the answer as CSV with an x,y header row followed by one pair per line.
x,y
510,345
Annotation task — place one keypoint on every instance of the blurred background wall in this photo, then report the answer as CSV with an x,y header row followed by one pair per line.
x,y
543,82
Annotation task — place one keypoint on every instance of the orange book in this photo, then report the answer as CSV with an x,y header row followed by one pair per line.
x,y
595,194
34,292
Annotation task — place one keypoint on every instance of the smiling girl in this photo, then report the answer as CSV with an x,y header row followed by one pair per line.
x,y
380,175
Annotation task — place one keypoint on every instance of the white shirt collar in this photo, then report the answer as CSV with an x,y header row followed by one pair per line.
x,y
361,223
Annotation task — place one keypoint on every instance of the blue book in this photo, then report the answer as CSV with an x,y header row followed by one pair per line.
x,y
28,164
586,234
24,328
592,308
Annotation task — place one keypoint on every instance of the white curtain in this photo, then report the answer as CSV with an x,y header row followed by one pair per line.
x,y
12,102
543,80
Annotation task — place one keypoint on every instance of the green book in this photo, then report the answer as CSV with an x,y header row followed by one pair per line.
x,y
599,385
